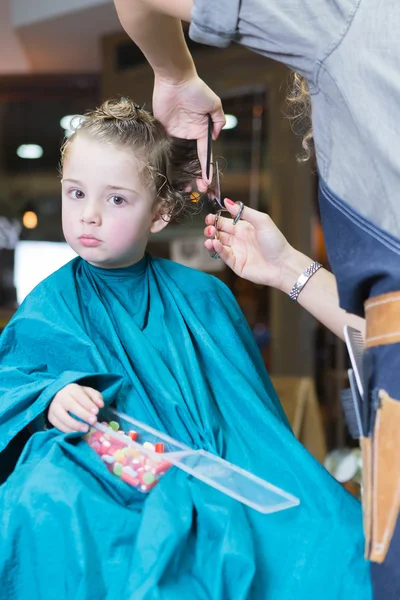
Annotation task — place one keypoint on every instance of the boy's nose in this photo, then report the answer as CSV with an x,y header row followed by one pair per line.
x,y
90,216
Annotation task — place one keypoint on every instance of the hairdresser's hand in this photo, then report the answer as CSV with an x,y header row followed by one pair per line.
x,y
254,248
183,109
83,402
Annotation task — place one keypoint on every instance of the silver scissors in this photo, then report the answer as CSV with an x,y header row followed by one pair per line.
x,y
217,196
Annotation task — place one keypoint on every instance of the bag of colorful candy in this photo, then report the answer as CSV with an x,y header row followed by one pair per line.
x,y
141,455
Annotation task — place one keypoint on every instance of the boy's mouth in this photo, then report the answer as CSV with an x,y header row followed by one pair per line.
x,y
89,240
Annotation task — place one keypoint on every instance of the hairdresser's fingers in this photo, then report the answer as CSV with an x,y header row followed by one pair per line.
x,y
254,217
210,232
225,238
202,186
204,182
209,246
216,247
94,395
224,224
219,120
225,253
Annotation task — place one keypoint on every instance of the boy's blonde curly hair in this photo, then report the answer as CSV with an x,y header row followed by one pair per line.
x,y
170,165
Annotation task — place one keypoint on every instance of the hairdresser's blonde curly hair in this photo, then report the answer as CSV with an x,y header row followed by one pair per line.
x,y
170,165
299,100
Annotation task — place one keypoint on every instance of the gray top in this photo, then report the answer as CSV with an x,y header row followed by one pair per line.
x,y
349,51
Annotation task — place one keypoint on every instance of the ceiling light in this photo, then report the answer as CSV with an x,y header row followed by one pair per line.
x,y
70,123
66,121
30,151
231,122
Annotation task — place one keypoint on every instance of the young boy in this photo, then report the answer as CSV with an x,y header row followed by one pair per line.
x,y
169,346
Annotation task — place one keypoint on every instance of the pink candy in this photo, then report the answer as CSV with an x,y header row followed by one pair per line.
x,y
127,461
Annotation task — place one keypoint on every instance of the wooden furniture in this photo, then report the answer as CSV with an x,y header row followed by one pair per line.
x,y
299,400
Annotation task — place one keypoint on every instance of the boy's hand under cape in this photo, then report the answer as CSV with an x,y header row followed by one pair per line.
x,y
83,402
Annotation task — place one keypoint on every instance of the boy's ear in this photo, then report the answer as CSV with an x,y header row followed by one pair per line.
x,y
160,220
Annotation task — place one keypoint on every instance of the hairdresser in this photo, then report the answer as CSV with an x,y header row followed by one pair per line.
x,y
345,55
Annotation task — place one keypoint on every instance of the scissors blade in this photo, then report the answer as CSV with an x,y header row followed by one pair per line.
x,y
209,147
218,188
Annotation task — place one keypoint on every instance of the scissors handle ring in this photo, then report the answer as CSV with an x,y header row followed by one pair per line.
x,y
239,215
217,216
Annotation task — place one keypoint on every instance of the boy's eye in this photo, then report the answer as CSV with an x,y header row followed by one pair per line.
x,y
78,194
117,200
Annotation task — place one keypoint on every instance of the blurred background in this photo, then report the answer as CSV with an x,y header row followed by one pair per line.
x,y
62,58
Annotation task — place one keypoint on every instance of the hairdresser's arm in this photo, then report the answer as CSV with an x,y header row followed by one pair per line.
x,y
181,100
319,296
256,250
155,26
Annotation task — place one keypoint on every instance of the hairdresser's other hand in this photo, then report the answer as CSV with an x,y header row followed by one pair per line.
x,y
183,108
254,248
84,402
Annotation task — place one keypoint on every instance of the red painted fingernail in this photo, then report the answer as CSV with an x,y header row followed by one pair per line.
x,y
209,231
231,202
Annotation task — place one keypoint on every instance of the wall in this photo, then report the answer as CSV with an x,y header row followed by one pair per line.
x,y
27,12
62,36
13,58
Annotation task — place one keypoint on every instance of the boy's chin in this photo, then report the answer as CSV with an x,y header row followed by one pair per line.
x,y
111,263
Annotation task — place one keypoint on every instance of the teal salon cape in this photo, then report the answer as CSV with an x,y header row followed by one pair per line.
x,y
170,347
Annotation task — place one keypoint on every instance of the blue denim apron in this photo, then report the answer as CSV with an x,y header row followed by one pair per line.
x,y
366,263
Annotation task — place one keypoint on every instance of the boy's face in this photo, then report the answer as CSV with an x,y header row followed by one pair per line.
x,y
107,212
